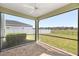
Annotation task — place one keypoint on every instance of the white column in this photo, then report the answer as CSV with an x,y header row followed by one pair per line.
x,y
78,32
2,31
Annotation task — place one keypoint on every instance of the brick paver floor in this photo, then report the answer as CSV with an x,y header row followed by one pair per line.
x,y
31,49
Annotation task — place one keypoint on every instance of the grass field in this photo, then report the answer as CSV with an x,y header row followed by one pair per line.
x,y
62,43
65,44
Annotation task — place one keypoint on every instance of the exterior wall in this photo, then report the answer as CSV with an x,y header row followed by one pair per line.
x,y
27,30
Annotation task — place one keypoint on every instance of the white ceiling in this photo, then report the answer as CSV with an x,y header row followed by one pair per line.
x,y
29,8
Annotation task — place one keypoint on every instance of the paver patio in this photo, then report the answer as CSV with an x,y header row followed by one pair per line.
x,y
32,49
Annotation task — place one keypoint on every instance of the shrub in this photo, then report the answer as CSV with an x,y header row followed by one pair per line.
x,y
15,39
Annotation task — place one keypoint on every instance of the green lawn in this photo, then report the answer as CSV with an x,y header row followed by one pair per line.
x,y
66,33
65,44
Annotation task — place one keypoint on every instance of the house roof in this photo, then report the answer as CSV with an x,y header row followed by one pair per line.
x,y
16,23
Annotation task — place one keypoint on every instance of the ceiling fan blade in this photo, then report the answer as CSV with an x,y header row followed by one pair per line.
x,y
29,6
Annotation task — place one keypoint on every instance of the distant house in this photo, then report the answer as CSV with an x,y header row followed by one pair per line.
x,y
18,27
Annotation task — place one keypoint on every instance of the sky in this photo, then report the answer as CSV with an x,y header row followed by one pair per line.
x,y
69,19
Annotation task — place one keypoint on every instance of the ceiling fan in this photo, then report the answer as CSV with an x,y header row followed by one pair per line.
x,y
33,7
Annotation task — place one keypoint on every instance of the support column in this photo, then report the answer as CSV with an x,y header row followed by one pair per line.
x,y
36,30
78,32
2,31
